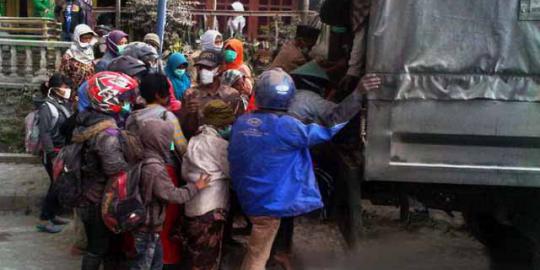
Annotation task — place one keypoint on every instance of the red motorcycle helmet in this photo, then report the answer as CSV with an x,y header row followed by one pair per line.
x,y
108,90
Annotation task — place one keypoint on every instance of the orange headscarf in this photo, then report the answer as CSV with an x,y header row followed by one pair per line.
x,y
238,47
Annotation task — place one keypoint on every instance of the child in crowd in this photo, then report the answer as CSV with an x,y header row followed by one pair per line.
x,y
157,191
207,211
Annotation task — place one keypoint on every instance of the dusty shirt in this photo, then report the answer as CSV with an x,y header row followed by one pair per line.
x,y
192,121
158,112
207,153
310,107
289,57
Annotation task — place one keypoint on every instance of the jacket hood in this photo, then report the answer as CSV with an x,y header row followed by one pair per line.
x,y
90,123
238,47
175,60
156,137
180,83
208,39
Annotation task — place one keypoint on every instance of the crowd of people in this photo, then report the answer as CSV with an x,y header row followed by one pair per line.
x,y
212,141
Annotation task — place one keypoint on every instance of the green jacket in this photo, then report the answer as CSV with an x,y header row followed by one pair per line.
x,y
44,8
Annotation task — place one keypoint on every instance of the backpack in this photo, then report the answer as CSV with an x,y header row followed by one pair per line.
x,y
31,123
122,207
67,174
31,138
67,178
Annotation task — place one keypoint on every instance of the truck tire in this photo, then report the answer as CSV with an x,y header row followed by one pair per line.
x,y
507,247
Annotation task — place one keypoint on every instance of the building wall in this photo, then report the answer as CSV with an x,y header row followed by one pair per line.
x,y
253,27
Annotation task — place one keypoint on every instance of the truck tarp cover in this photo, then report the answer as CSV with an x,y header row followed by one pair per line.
x,y
455,49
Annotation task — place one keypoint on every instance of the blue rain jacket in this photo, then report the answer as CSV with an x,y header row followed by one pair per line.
x,y
270,164
84,101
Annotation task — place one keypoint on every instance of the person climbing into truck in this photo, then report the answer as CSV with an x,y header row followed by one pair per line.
x,y
310,106
270,164
294,53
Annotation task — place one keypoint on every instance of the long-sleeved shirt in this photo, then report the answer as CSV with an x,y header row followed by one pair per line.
x,y
310,107
154,111
52,115
207,153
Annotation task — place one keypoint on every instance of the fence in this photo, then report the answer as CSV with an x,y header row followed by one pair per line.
x,y
27,63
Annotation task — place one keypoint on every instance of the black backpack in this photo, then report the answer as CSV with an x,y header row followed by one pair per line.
x,y
68,183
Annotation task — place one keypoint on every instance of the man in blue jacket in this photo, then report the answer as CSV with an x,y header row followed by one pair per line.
x,y
270,164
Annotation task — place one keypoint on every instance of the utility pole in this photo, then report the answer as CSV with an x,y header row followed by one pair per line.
x,y
118,13
212,22
161,21
305,11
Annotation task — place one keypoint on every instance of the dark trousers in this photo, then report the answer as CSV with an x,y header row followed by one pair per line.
x,y
51,207
149,252
98,236
284,237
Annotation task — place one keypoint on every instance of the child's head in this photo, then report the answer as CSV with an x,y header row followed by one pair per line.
x,y
58,86
218,114
155,89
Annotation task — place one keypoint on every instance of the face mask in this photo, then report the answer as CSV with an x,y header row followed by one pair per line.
x,y
230,56
85,45
121,48
64,93
207,76
126,109
225,133
180,72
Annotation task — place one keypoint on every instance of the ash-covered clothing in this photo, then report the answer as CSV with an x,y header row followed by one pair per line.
x,y
49,124
359,20
260,242
289,57
156,111
149,252
103,63
207,154
271,167
310,107
204,235
192,121
157,189
103,153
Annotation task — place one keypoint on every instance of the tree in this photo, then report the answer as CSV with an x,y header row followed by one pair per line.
x,y
143,18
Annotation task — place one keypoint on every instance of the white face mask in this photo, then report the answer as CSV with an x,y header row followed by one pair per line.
x,y
64,93
207,76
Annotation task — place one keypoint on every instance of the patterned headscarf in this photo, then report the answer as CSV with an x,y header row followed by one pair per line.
x,y
230,76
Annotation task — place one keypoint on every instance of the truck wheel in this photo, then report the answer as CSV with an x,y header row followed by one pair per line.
x,y
507,247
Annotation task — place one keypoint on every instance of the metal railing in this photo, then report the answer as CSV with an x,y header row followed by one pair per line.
x,y
28,63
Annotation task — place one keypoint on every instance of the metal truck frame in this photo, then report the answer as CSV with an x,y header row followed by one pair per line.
x,y
457,121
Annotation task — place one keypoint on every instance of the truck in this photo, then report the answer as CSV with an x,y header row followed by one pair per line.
x,y
456,124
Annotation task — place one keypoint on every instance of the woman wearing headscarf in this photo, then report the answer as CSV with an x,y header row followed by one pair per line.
x,y
78,61
233,55
211,40
176,71
116,42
